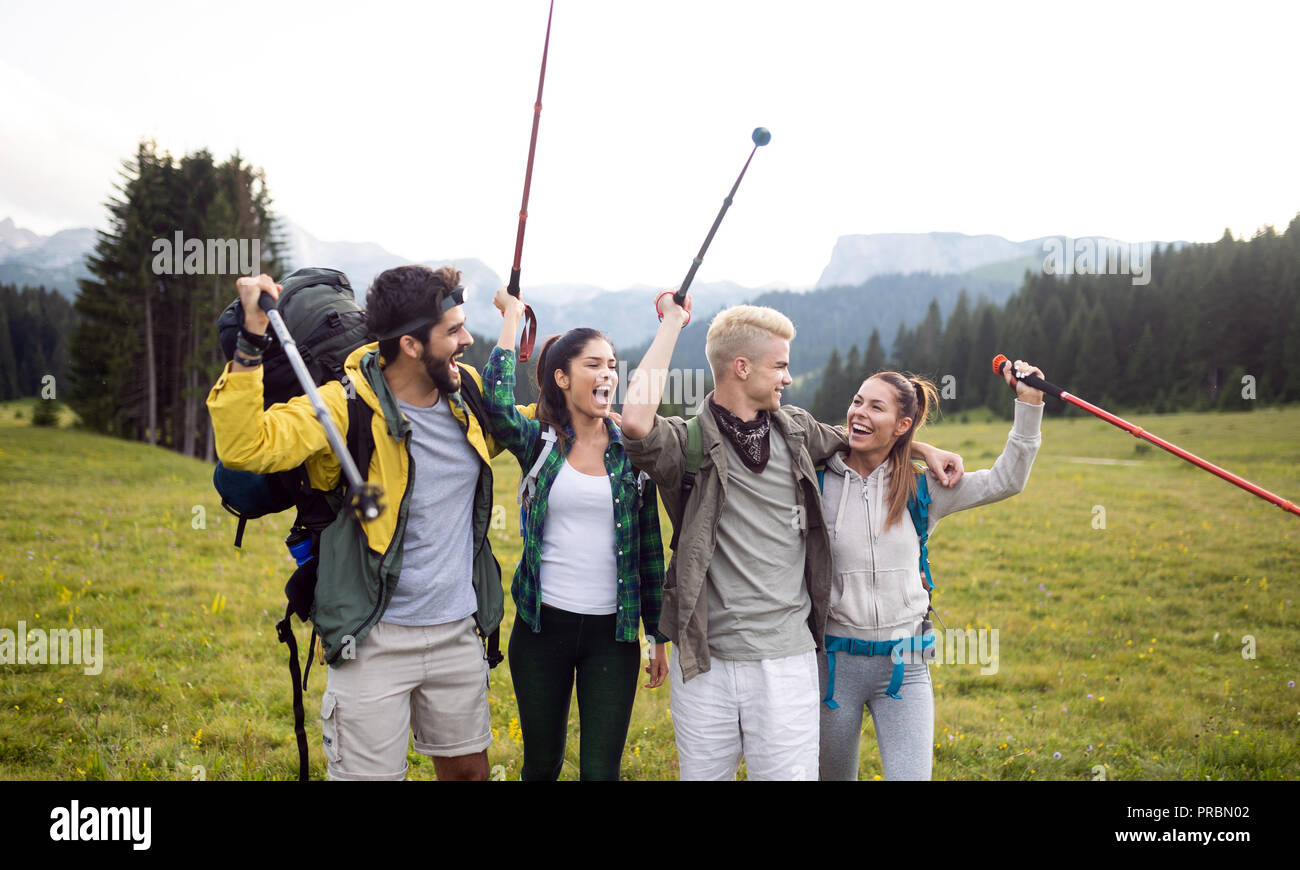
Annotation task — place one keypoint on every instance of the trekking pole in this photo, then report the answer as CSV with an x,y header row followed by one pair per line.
x,y
530,326
364,498
761,137
1000,362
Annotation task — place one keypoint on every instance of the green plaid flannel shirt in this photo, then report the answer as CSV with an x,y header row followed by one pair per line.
x,y
640,556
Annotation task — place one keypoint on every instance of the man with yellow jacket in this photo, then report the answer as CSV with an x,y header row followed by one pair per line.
x,y
398,598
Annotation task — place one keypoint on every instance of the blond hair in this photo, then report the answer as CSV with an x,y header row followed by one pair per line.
x,y
739,331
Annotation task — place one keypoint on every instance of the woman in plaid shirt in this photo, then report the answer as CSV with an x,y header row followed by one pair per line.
x,y
592,563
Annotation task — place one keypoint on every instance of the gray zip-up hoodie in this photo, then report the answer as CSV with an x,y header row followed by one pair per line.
x,y
877,592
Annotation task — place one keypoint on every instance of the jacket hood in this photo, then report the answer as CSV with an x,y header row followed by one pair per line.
x,y
367,375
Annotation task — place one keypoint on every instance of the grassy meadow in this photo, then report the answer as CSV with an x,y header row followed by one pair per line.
x,y
1164,645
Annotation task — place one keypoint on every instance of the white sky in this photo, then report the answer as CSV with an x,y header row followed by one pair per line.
x,y
407,124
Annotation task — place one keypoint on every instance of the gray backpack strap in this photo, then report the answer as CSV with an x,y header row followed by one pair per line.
x,y
528,486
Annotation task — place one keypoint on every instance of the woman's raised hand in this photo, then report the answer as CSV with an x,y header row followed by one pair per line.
x,y
505,302
1024,393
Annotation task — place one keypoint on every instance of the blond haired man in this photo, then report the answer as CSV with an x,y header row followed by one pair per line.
x,y
748,588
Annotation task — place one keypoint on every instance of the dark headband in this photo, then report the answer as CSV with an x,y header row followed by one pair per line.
x,y
451,300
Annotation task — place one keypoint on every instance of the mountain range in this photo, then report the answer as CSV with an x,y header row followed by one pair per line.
x,y
55,261
900,272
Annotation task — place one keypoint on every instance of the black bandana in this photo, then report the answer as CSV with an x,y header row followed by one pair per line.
x,y
749,439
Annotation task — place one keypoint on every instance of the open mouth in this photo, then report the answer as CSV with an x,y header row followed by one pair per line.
x,y
602,396
860,430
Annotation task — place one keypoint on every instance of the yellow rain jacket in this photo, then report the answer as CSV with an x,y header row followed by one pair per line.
x,y
359,561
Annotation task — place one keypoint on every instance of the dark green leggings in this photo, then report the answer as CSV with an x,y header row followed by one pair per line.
x,y
542,665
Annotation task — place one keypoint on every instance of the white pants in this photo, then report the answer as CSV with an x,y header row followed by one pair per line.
x,y
764,711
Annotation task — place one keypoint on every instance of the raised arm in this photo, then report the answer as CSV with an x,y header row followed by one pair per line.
x,y
513,430
284,436
646,386
1010,471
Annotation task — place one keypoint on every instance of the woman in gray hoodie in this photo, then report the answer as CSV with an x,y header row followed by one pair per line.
x,y
879,600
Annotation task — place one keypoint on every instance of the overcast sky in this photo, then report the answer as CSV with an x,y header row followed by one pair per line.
x,y
407,124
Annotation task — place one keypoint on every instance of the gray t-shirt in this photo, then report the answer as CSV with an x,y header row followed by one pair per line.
x,y
436,583
758,601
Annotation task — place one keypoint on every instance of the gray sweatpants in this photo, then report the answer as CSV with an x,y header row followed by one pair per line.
x,y
904,725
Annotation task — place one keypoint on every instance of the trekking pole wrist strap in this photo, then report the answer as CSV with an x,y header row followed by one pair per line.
x,y
661,317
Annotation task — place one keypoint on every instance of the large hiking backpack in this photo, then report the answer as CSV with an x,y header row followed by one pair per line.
x,y
320,309
321,312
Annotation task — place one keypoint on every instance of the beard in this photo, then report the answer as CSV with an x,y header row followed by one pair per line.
x,y
439,373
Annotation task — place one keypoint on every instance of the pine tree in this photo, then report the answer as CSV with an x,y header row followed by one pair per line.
x,y
955,350
1095,367
1141,374
8,362
1291,353
823,405
850,381
145,351
874,361
1054,322
903,348
1034,343
978,367
924,359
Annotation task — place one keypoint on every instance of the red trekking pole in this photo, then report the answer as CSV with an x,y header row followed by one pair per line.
x,y
1000,362
530,319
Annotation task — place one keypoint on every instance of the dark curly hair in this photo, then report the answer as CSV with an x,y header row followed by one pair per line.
x,y
405,293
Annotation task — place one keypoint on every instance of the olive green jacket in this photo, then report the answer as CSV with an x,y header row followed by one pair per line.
x,y
662,454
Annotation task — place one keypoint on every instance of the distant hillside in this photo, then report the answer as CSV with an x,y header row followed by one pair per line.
x,y
839,317
624,315
856,259
55,262
1216,326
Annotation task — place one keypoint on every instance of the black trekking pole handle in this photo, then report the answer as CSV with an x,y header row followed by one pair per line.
x,y
365,498
1029,379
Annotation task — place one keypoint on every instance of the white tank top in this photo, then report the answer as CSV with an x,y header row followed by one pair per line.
x,y
579,571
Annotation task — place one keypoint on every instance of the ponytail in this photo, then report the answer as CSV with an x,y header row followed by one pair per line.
x,y
917,398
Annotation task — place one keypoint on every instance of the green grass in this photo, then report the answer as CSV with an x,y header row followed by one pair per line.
x,y
1146,615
